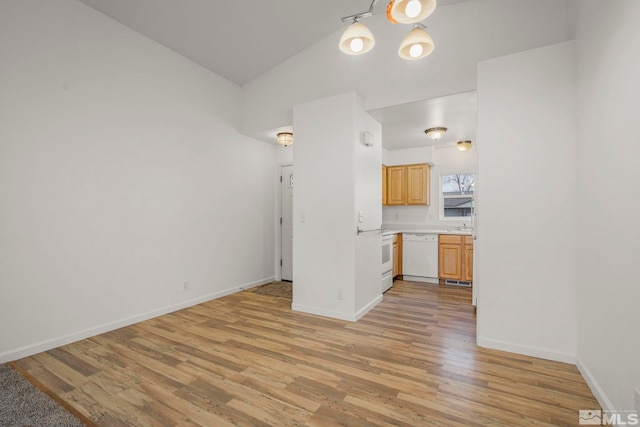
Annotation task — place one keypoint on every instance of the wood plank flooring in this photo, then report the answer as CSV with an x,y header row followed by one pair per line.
x,y
248,360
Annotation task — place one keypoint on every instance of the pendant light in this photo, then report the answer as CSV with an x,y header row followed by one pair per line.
x,y
357,39
285,138
417,44
411,11
463,145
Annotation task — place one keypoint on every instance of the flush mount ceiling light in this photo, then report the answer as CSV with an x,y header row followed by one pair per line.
x,y
285,138
463,145
435,133
357,39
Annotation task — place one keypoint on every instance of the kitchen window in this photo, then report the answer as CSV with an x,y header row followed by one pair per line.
x,y
456,195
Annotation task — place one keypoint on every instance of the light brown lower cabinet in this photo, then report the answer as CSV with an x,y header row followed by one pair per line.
x,y
455,257
397,255
467,260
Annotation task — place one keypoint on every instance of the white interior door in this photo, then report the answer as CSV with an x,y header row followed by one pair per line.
x,y
286,220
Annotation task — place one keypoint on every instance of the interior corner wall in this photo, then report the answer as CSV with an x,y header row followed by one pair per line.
x,y
481,30
608,66
122,176
527,185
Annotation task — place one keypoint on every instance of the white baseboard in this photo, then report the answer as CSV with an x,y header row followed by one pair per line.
x,y
39,347
367,308
593,384
432,280
542,353
350,317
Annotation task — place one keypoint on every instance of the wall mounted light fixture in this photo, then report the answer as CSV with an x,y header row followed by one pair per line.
x,y
358,39
285,138
435,133
463,145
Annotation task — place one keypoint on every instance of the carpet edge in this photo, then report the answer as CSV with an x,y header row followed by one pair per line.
x,y
37,384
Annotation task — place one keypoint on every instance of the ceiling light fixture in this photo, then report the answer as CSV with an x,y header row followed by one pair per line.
x,y
285,138
358,39
417,44
464,145
412,11
436,133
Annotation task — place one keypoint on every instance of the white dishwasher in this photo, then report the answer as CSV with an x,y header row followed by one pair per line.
x,y
420,257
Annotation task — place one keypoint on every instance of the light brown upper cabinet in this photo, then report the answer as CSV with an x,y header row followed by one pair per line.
x,y
418,184
384,185
396,185
408,185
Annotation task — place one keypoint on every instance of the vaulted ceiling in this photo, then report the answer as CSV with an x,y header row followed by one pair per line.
x,y
238,40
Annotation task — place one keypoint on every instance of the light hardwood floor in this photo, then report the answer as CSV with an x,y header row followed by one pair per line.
x,y
248,360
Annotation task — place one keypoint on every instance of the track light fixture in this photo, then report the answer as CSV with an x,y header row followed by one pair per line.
x,y
357,38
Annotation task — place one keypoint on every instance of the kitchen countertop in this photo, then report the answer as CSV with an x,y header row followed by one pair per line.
x,y
388,232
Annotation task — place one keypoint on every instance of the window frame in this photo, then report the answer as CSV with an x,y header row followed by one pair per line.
x,y
441,196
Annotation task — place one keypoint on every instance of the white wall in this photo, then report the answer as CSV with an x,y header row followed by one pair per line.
x,y
464,34
329,259
368,190
122,175
608,245
443,160
527,186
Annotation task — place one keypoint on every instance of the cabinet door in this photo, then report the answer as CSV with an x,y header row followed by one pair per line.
x,y
384,185
395,270
399,240
396,185
418,184
450,257
467,259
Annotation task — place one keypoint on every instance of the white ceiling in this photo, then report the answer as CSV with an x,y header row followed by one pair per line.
x,y
238,40
403,125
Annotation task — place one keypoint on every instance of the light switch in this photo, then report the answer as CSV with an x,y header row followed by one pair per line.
x,y
360,216
303,217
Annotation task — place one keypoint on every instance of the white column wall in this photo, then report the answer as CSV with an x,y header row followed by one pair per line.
x,y
329,272
608,245
527,185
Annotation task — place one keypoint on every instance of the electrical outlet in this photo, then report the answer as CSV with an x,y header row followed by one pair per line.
x,y
340,296
637,398
185,285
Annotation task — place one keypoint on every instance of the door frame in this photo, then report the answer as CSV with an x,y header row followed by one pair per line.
x,y
278,228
